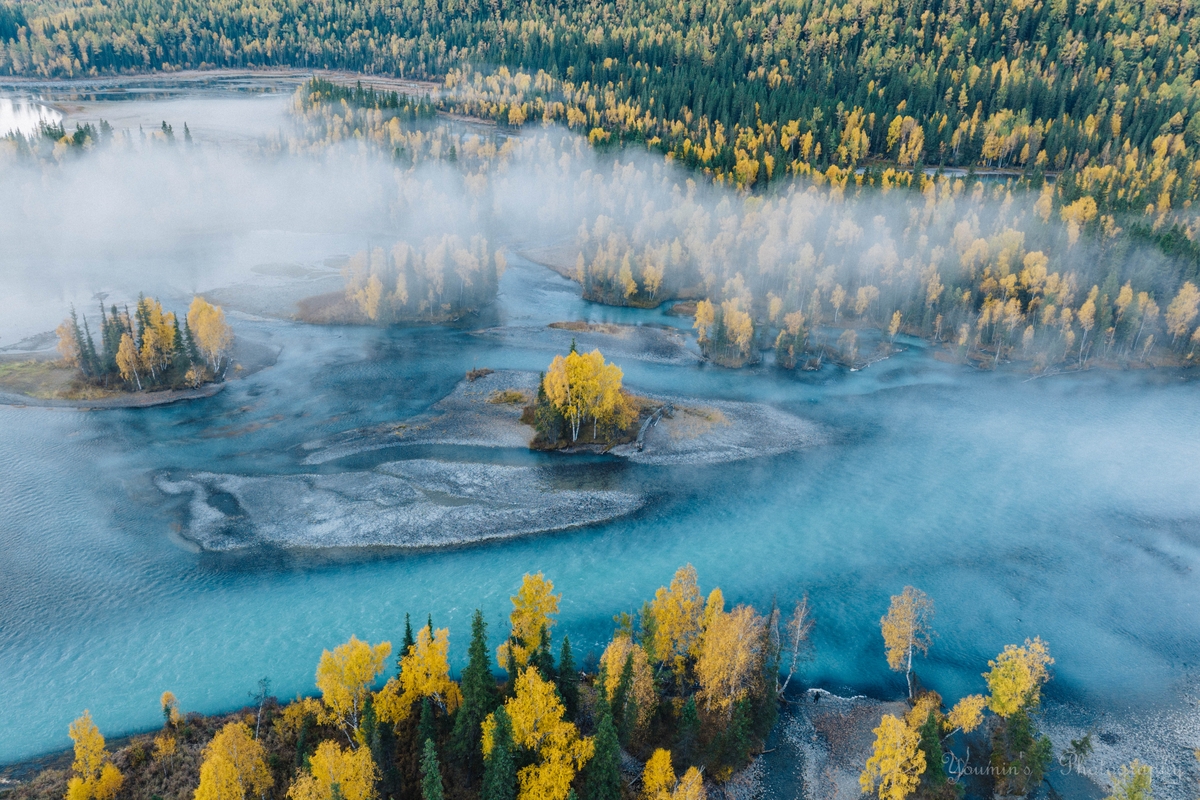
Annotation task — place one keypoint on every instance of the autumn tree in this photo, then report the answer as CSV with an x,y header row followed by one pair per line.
x,y
1133,782
1182,311
534,608
732,653
93,775
1016,677
795,646
906,628
675,616
234,766
212,334
538,727
1019,754
336,774
583,386
424,673
641,691
896,764
344,678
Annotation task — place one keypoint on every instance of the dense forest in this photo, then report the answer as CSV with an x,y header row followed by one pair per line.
x,y
1101,91
148,348
677,705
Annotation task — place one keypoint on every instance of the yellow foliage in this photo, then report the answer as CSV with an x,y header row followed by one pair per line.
x,y
1016,677
94,777
615,655
583,386
705,320
967,713
538,726
896,763
658,777
906,628
345,677
352,771
676,613
234,767
164,746
534,607
732,649
287,725
424,672
212,334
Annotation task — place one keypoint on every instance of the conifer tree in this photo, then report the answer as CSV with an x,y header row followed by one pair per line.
x,y
479,696
542,658
624,712
688,731
431,773
408,641
500,770
426,728
604,770
568,680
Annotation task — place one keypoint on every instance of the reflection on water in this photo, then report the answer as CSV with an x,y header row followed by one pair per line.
x,y
23,116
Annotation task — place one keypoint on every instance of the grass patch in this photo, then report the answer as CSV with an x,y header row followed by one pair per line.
x,y
508,397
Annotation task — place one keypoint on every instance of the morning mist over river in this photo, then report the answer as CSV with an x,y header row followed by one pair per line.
x,y
1063,504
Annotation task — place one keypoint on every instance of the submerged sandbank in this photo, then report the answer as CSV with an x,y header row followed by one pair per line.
x,y
405,504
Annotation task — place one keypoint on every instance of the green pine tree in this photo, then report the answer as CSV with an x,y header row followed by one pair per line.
x,y
603,772
408,642
426,729
568,680
542,660
479,697
931,743
623,711
688,732
500,768
431,773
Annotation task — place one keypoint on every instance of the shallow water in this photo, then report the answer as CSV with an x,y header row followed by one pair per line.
x,y
23,115
1065,507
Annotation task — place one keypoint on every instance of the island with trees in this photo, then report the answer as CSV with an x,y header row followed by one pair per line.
x,y
678,706
142,356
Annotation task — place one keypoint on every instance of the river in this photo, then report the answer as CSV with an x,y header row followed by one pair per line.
x,y
1065,507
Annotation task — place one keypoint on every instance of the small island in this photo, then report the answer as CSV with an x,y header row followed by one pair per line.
x,y
146,356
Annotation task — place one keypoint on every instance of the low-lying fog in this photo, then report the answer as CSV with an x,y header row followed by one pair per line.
x,y
1066,507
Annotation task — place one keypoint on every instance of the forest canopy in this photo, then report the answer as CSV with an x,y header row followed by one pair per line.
x,y
1102,91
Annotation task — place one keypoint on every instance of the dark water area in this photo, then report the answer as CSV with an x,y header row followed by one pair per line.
x,y
1065,507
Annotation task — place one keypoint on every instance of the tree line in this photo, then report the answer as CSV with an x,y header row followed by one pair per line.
x,y
748,91
148,348
686,689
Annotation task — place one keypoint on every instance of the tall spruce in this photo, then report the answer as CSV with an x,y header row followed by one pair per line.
x,y
479,697
603,772
624,711
427,726
568,680
500,768
543,660
408,642
431,773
